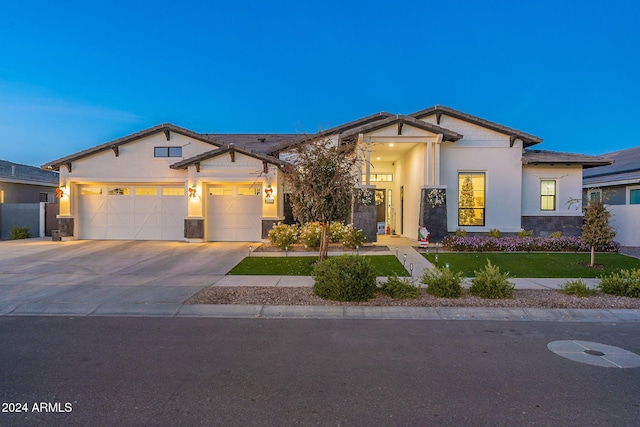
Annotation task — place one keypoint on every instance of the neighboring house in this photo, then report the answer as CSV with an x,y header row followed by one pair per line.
x,y
619,184
438,168
22,189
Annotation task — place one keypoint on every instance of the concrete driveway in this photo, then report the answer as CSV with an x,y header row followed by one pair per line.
x,y
39,271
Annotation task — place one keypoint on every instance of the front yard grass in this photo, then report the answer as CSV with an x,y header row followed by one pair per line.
x,y
385,265
553,264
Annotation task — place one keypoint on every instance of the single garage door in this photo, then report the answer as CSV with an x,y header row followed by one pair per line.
x,y
132,212
235,213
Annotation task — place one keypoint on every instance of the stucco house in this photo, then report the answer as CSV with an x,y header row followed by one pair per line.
x,y
439,168
619,184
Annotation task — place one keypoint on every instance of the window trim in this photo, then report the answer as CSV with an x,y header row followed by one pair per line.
x,y
591,191
629,190
483,209
554,195
168,149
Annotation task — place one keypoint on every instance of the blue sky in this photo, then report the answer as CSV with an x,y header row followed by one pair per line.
x,y
75,74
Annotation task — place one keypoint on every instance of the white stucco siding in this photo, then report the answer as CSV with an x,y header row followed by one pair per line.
x,y
626,221
135,161
503,182
568,187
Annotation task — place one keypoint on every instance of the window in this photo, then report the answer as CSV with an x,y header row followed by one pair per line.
x,y
594,194
378,177
91,191
634,196
44,197
548,195
119,191
173,191
249,191
146,191
220,191
167,152
471,198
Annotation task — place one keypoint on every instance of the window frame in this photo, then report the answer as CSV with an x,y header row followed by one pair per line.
x,y
629,190
166,151
482,209
554,196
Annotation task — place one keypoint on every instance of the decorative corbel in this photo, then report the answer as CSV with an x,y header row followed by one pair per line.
x,y
116,150
167,134
198,167
265,167
68,166
438,116
512,140
232,153
400,124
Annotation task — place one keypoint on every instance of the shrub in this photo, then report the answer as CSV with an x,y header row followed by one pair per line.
x,y
336,232
461,233
310,235
556,234
345,278
626,283
399,288
525,233
283,235
352,236
17,233
494,232
577,288
512,244
443,283
490,283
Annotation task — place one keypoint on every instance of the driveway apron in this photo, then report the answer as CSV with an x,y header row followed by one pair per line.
x,y
97,272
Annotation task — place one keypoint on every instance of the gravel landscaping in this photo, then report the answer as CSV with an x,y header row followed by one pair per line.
x,y
304,296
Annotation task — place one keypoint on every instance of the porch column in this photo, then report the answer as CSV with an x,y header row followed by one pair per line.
x,y
436,163
194,222
359,158
428,163
367,164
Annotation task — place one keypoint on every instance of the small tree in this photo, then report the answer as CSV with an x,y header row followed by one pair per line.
x,y
596,231
322,177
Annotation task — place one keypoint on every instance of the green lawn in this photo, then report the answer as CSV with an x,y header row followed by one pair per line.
x,y
303,265
557,264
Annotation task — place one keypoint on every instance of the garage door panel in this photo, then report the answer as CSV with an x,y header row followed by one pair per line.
x,y
140,213
234,214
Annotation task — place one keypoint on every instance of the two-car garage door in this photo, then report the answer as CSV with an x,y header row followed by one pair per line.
x,y
132,212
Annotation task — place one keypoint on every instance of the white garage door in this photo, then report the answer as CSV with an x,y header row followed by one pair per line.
x,y
132,212
235,213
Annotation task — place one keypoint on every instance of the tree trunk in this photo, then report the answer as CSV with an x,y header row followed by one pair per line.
x,y
323,243
593,256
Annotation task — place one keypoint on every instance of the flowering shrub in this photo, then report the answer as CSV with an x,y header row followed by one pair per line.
x,y
494,232
336,232
283,235
524,233
310,235
461,233
555,234
514,244
352,236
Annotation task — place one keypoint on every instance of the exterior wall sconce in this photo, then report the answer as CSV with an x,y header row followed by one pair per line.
x,y
61,192
268,194
193,192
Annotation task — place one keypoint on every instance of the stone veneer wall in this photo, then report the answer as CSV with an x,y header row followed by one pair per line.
x,y
194,228
267,224
65,226
434,218
543,226
364,218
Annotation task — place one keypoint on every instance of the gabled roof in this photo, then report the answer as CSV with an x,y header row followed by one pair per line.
x,y
514,134
231,149
625,169
535,157
337,130
264,143
400,120
167,128
16,172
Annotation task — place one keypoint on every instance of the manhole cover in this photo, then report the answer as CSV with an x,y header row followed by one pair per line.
x,y
595,353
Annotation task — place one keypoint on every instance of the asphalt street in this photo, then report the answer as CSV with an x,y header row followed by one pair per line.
x,y
268,372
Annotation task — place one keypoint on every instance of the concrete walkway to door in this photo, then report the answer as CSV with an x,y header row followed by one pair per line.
x,y
38,274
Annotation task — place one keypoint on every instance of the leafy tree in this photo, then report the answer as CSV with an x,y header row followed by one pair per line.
x,y
596,230
322,176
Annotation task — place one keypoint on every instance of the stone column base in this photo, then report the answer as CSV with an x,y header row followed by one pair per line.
x,y
194,229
